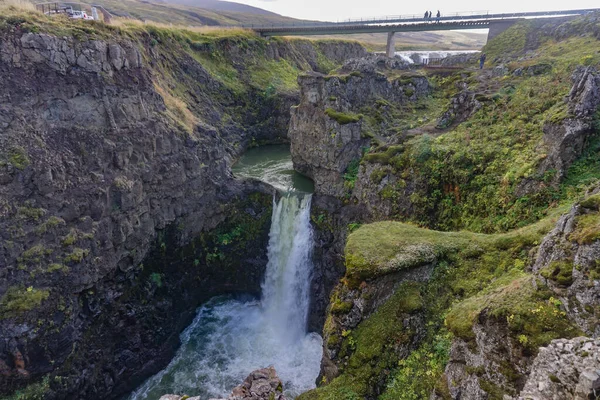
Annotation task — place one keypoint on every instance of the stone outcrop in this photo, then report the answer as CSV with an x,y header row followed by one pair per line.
x,y
567,262
327,131
565,141
462,107
112,209
262,384
491,361
565,370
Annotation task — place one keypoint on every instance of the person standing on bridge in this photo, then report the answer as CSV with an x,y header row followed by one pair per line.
x,y
482,60
430,15
426,15
437,17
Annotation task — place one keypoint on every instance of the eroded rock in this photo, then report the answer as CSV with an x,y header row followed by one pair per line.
x,y
262,384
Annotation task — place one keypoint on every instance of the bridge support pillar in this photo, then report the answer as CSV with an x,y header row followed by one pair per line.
x,y
390,49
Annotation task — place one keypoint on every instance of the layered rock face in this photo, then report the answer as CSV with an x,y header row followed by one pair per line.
x,y
91,170
118,211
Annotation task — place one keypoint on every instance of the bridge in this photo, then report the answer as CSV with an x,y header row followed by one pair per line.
x,y
496,23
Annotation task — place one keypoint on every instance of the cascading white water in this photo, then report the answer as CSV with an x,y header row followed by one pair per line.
x,y
285,295
230,338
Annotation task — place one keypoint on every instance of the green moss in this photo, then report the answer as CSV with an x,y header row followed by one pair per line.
x,y
377,175
384,247
421,371
49,224
76,256
35,254
70,239
532,315
57,267
561,272
18,158
591,203
341,307
343,118
18,300
31,213
369,347
554,379
587,228
384,157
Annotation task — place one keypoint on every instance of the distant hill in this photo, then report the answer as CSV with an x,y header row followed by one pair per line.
x,y
227,6
214,13
227,13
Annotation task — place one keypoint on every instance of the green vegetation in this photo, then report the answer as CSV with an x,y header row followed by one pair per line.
x,y
17,156
533,315
587,229
475,275
561,272
383,247
368,348
343,118
18,300
34,391
76,256
511,42
351,174
421,371
51,223
31,213
472,176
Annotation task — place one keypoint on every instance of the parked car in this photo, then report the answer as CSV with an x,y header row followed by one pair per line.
x,y
80,15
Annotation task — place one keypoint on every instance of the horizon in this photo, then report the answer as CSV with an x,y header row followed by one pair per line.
x,y
351,9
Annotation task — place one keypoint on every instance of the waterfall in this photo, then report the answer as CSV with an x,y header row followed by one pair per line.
x,y
229,338
285,290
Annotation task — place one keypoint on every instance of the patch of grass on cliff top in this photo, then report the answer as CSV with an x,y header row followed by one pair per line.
x,y
385,247
532,314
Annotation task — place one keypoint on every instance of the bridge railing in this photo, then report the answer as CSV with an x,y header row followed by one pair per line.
x,y
407,19
411,17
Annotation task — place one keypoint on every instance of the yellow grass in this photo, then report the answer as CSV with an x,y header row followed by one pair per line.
x,y
130,22
177,109
15,5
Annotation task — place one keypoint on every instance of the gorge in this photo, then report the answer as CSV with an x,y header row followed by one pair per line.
x,y
155,238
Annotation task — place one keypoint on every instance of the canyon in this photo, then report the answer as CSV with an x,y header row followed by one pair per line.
x,y
452,236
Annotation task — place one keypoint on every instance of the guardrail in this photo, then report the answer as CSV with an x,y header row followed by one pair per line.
x,y
63,7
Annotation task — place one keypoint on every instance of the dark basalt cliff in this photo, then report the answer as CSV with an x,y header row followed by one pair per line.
x,y
119,214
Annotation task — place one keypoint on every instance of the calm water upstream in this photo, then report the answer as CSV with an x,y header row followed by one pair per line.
x,y
229,338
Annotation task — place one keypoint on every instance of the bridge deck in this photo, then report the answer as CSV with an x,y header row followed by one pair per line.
x,y
405,24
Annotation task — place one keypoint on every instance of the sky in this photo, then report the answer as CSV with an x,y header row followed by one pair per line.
x,y
338,10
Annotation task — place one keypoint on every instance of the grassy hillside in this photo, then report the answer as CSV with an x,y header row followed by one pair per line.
x,y
471,176
187,15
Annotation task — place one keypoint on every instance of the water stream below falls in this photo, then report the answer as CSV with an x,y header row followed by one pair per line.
x,y
231,337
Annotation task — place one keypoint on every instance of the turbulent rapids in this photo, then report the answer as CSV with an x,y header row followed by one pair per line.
x,y
229,337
